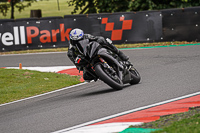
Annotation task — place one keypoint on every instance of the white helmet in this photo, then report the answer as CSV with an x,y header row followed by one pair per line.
x,y
76,34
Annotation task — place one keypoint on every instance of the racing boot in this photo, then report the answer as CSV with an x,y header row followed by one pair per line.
x,y
115,50
87,76
122,56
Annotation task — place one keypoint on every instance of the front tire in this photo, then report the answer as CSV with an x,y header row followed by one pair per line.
x,y
116,84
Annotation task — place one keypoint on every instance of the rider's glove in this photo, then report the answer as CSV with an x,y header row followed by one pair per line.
x,y
108,41
79,61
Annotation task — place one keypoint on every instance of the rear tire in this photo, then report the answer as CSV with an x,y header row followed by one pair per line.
x,y
115,84
135,76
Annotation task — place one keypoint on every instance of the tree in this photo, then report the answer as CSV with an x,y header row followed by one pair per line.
x,y
6,5
109,6
99,6
140,5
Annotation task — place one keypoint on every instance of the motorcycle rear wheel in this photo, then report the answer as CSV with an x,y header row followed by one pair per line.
x,y
135,76
116,84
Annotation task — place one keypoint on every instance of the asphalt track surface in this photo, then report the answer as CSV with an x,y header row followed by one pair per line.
x,y
166,73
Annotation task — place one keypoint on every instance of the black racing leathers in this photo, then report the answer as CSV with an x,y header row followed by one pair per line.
x,y
73,52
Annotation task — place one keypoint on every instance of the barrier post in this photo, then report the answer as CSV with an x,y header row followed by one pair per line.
x,y
20,65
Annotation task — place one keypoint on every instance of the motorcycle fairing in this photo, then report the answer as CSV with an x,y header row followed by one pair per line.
x,y
82,46
88,48
92,48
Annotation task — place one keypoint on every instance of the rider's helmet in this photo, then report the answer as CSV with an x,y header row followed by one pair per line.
x,y
76,35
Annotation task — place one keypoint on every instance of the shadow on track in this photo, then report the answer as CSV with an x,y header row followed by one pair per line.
x,y
105,91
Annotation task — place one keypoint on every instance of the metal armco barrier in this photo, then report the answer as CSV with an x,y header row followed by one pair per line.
x,y
123,27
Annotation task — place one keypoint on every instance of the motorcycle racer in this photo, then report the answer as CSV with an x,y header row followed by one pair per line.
x,y
77,35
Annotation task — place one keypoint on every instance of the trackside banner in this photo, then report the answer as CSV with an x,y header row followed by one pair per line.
x,y
127,27
132,27
33,34
51,32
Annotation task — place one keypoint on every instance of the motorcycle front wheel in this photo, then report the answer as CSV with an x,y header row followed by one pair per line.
x,y
111,80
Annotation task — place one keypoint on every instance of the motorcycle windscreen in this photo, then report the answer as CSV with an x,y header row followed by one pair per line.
x,y
92,48
82,46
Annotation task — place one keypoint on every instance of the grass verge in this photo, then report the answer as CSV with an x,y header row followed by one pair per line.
x,y
187,122
49,8
17,84
136,45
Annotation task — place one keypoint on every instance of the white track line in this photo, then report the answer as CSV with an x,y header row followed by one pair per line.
x,y
45,69
105,128
126,112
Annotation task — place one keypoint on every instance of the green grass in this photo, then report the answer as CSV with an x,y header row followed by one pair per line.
x,y
153,44
35,51
49,8
189,125
16,84
187,122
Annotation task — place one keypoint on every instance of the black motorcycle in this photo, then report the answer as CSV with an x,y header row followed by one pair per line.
x,y
103,64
